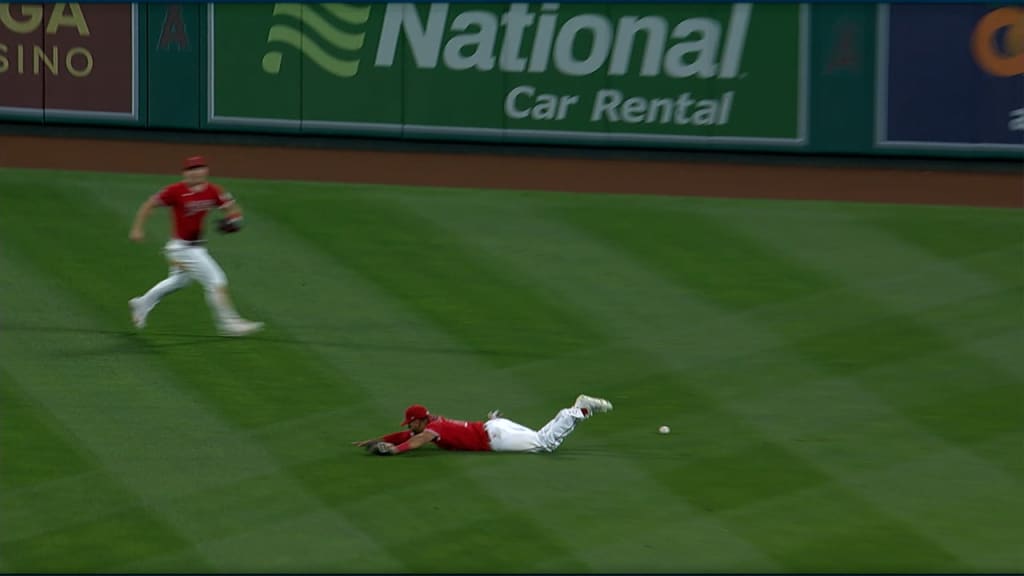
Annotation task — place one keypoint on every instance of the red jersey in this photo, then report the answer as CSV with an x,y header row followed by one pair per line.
x,y
459,435
189,208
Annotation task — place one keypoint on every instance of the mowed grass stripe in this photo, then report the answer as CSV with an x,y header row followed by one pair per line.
x,y
592,451
526,542
697,253
238,527
37,510
537,539
393,503
647,330
311,542
948,403
592,265
26,427
158,443
984,241
74,394
496,222
846,430
96,545
496,314
179,563
251,381
987,501
966,414
833,525
1000,446
390,354
469,217
295,385
883,336
49,481
422,362
1002,349
472,385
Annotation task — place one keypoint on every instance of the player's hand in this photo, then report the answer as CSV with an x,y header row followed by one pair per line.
x,y
381,448
364,443
136,235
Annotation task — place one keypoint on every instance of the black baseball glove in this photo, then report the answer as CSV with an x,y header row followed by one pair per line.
x,y
380,448
229,224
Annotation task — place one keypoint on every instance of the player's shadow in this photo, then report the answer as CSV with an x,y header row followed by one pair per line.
x,y
563,454
116,342
131,341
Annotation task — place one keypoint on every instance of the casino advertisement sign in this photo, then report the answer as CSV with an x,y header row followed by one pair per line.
x,y
69,60
951,77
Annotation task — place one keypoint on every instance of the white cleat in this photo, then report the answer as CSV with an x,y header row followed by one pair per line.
x,y
139,312
494,415
591,404
240,328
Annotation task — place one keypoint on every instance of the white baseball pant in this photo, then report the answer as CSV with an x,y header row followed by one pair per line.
x,y
509,436
193,262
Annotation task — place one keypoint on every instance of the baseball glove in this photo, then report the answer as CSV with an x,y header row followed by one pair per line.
x,y
380,448
229,224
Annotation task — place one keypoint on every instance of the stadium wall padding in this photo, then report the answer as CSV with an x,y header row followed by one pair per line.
x,y
939,80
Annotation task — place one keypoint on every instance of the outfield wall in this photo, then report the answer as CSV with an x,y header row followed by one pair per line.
x,y
942,80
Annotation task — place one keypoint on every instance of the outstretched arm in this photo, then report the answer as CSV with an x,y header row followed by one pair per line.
x,y
137,233
425,437
395,438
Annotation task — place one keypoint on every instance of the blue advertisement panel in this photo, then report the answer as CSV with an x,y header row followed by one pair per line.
x,y
951,76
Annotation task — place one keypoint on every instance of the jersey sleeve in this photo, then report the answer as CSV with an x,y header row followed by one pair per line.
x,y
398,437
436,427
166,197
224,198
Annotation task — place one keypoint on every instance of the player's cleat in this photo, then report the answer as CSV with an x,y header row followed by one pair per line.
x,y
139,312
494,415
240,327
591,404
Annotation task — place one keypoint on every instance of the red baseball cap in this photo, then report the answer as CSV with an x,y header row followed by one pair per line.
x,y
195,162
415,412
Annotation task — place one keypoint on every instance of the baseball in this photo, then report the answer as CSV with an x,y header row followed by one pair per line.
x,y
664,430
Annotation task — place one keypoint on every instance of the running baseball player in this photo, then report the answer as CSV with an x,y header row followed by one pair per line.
x,y
190,200
496,434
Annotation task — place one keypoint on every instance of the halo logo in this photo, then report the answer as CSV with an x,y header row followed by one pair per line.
x,y
327,23
998,42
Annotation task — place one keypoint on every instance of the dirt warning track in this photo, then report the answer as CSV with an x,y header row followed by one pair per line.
x,y
526,172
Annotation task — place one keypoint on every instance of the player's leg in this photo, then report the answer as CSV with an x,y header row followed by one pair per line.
x,y
215,285
176,279
558,429
509,436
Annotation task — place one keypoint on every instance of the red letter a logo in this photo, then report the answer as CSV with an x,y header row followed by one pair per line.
x,y
173,31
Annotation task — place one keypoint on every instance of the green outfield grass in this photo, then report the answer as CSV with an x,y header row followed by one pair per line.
x,y
843,384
